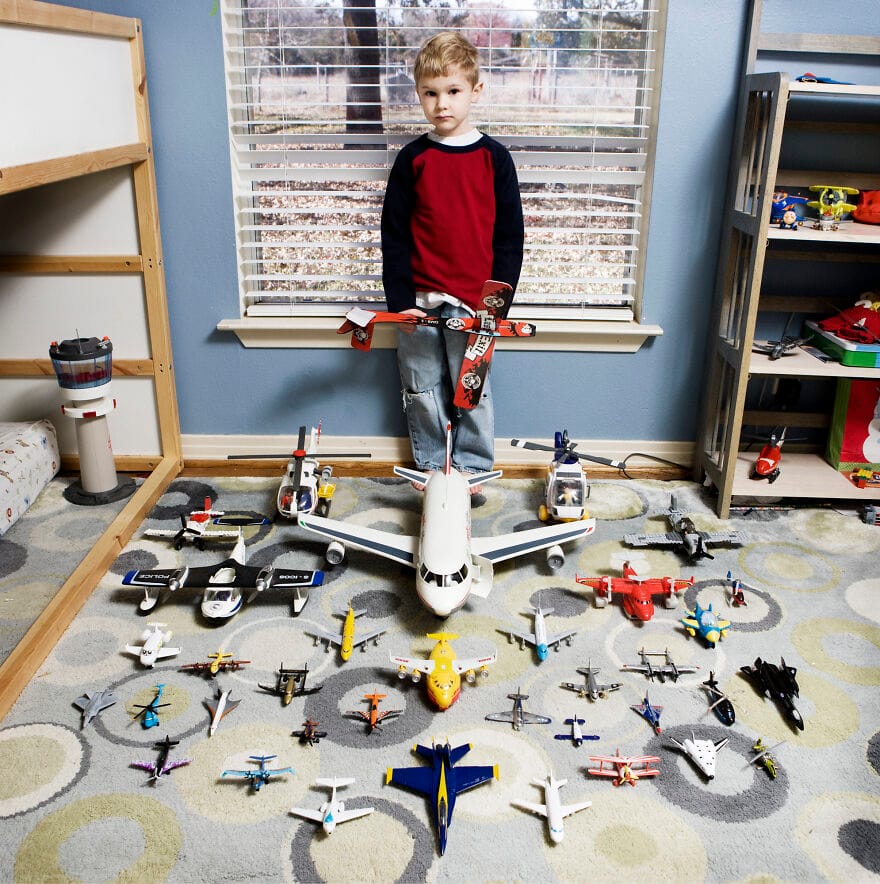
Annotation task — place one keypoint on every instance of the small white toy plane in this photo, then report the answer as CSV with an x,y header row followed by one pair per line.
x,y
153,647
539,639
196,527
702,752
449,563
219,707
332,811
590,688
553,810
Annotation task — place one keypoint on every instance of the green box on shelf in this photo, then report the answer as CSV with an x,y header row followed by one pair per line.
x,y
854,437
845,352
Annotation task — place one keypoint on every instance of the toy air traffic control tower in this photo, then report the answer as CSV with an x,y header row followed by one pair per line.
x,y
83,367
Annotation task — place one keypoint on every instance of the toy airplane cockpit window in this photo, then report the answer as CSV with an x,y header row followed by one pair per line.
x,y
453,579
217,595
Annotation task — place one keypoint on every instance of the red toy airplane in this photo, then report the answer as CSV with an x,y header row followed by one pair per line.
x,y
637,591
623,768
374,717
488,324
767,464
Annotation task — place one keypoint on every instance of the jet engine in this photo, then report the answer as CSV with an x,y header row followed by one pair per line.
x,y
470,676
335,552
555,558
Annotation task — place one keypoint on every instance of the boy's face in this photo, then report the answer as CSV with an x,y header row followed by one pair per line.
x,y
446,101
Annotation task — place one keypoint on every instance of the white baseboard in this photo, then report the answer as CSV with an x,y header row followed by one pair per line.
x,y
397,450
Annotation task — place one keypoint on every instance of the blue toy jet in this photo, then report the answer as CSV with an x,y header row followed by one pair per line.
x,y
258,777
442,782
650,713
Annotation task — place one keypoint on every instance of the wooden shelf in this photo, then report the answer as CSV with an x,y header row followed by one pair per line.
x,y
849,232
799,363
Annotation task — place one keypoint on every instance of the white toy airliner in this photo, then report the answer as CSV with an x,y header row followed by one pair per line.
x,y
449,563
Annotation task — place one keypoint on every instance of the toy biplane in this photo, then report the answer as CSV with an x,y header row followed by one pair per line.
x,y
488,323
624,768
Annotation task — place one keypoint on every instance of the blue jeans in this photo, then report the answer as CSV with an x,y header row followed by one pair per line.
x,y
430,361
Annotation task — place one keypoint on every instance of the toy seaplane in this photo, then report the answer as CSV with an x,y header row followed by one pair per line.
x,y
258,777
91,703
719,702
637,593
778,683
196,528
705,622
684,537
290,683
150,711
668,669
576,735
487,324
624,768
223,583
702,753
162,765
443,669
553,810
649,712
153,648
374,717
332,811
345,640
590,688
540,640
442,782
220,706
306,486
219,661
565,485
449,563
764,758
308,734
518,716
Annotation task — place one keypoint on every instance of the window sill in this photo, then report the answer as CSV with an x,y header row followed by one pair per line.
x,y
319,332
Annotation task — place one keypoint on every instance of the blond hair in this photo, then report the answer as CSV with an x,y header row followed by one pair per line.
x,y
443,51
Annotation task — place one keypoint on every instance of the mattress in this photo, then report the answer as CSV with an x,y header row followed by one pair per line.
x,y
29,459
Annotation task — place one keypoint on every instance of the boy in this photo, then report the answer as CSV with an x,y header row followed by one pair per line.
x,y
452,218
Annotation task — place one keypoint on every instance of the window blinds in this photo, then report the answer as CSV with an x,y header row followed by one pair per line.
x,y
320,99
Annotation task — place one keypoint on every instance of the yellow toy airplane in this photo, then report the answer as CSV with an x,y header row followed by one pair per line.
x,y
346,641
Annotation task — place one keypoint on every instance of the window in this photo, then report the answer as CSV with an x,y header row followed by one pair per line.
x,y
320,100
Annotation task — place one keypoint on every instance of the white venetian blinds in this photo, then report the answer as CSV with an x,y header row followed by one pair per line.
x,y
320,99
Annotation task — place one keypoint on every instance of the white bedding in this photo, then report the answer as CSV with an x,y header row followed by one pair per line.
x,y
29,459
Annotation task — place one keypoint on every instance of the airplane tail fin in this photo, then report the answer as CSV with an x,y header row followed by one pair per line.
x,y
441,636
334,782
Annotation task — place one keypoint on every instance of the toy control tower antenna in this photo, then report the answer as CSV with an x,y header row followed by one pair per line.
x,y
83,367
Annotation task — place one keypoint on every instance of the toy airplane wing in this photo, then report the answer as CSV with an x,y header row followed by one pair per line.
x,y
335,640
712,538
556,638
508,546
668,540
539,809
173,765
212,707
465,664
424,666
285,578
397,547
468,777
148,766
569,809
160,576
361,324
528,637
309,814
344,816
106,700
369,636
522,715
419,779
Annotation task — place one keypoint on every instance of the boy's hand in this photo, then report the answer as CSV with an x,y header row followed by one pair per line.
x,y
411,311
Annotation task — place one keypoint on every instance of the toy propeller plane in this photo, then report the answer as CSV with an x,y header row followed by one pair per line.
x,y
91,703
764,758
290,683
719,702
449,563
442,782
153,647
443,669
195,528
219,661
778,683
637,593
684,537
345,640
707,623
487,324
306,487
374,717
261,775
150,711
162,765
553,810
649,712
577,736
668,669
539,639
223,583
219,707
332,811
702,753
590,688
624,768
309,734
517,716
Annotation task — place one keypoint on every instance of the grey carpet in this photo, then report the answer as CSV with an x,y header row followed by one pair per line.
x,y
73,809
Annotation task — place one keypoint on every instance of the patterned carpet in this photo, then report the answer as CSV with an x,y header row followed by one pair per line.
x,y
74,809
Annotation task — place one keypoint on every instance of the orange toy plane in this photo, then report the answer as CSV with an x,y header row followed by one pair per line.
x,y
220,661
623,768
374,717
637,592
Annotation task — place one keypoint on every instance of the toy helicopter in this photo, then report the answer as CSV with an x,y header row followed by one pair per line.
x,y
565,486
305,486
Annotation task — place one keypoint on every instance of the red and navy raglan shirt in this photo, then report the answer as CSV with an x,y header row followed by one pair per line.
x,y
452,218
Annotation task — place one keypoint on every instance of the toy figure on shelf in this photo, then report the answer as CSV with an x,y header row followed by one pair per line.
x,y
784,209
868,209
766,466
831,205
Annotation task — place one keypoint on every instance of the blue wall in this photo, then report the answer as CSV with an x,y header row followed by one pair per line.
x,y
652,395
